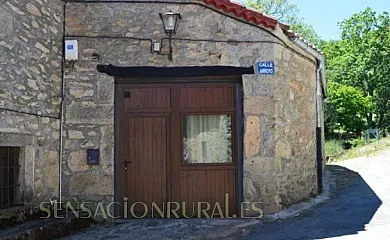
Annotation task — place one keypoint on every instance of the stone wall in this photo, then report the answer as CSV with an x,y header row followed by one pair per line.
x,y
30,82
279,110
280,113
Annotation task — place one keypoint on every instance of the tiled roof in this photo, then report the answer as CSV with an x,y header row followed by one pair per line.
x,y
291,34
248,14
254,16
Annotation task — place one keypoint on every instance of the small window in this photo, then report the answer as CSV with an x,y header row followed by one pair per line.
x,y
9,176
207,139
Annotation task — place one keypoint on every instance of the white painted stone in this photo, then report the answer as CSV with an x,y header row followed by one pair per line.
x,y
35,24
32,84
15,9
31,8
41,47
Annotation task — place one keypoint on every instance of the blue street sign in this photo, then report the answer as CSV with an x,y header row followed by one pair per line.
x,y
267,68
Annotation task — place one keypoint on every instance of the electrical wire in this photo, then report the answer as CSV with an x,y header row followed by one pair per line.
x,y
196,40
28,113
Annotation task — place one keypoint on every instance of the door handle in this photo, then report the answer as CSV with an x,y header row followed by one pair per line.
x,y
127,163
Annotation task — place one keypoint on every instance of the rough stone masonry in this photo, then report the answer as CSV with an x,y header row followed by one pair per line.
x,y
30,82
279,110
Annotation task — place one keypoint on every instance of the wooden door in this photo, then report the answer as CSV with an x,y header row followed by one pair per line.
x,y
177,144
144,148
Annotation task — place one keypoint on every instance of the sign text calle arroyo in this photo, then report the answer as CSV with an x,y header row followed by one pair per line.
x,y
267,68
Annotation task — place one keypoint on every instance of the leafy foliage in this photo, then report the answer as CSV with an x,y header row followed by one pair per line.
x,y
350,106
281,9
331,118
308,33
362,59
287,13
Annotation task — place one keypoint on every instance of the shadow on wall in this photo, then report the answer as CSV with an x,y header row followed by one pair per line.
x,y
346,213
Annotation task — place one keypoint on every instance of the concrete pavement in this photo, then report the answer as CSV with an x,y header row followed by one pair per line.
x,y
361,211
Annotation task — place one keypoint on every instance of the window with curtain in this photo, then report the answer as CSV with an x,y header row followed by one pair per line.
x,y
207,139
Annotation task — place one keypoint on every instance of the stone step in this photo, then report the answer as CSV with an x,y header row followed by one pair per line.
x,y
44,229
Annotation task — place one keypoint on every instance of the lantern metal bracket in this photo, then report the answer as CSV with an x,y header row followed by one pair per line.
x,y
170,22
158,45
170,58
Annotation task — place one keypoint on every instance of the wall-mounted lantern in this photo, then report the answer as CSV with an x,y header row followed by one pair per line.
x,y
171,22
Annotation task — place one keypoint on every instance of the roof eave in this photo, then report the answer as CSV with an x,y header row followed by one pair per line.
x,y
248,14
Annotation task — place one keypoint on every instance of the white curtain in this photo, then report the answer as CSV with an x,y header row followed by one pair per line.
x,y
207,139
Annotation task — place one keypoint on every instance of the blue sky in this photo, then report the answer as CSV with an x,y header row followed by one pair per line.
x,y
324,15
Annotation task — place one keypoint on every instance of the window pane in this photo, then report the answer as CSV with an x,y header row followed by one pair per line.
x,y
207,139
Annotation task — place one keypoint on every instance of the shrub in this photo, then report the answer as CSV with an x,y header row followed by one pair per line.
x,y
357,142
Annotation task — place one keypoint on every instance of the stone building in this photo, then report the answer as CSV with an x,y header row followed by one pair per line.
x,y
30,99
227,108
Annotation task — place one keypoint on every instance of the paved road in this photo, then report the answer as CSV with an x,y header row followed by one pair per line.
x,y
362,211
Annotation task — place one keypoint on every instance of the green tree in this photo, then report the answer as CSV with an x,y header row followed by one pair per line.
x,y
331,119
281,9
347,107
308,33
287,13
362,59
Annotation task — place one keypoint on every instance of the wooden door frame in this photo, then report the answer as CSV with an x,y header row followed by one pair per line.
x,y
240,145
119,82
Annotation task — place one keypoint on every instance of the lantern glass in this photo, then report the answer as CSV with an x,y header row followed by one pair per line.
x,y
170,21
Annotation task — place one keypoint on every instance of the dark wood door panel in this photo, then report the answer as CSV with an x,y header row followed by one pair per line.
x,y
147,150
141,99
207,97
210,187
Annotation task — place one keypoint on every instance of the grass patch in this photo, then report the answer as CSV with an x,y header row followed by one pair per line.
x,y
370,149
334,148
